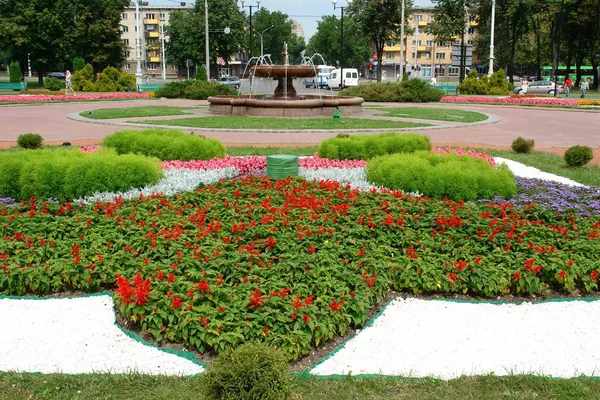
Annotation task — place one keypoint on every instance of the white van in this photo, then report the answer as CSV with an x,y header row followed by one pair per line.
x,y
350,78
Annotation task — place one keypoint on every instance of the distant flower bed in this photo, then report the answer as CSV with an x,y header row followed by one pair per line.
x,y
510,100
61,97
471,153
589,102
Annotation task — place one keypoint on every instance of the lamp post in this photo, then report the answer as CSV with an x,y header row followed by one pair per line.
x,y
138,45
261,42
206,49
341,40
402,44
257,6
491,67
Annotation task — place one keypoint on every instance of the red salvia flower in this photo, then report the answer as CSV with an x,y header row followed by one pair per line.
x,y
305,318
171,278
562,274
256,299
297,303
335,306
594,275
176,302
452,278
124,290
203,286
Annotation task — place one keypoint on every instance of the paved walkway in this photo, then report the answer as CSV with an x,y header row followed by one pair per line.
x,y
549,127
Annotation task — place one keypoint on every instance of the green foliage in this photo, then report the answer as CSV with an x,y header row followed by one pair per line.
x,y
165,144
578,156
253,371
522,145
108,80
202,90
53,84
408,91
364,147
30,141
70,174
201,74
442,175
175,89
127,82
472,85
495,85
83,80
498,85
15,72
78,64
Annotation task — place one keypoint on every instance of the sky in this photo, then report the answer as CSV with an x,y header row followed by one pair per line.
x,y
305,12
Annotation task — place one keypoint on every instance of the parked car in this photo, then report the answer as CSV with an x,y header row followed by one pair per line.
x,y
539,87
350,79
57,75
310,83
231,81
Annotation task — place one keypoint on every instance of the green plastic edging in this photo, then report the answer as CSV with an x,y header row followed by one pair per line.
x,y
180,353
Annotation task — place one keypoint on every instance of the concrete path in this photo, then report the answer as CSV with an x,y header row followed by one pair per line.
x,y
549,127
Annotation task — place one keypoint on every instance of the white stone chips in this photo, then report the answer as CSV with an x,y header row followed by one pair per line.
x,y
76,335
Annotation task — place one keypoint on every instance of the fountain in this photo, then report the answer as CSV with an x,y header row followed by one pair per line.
x,y
285,101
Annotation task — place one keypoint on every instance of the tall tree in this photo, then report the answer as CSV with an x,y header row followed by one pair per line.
x,y
275,37
379,21
186,36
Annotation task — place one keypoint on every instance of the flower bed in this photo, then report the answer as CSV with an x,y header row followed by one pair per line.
x,y
472,153
509,100
78,97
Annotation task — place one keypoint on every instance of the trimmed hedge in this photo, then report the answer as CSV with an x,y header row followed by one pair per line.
x,y
409,91
165,144
195,89
442,175
364,147
68,174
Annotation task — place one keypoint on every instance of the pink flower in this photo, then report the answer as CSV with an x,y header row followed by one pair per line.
x,y
80,96
509,100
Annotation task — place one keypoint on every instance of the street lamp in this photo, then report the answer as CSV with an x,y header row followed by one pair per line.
x,y
341,40
257,6
491,68
261,42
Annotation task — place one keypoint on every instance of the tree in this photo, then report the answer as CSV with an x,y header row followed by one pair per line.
x,y
275,37
186,39
326,41
379,21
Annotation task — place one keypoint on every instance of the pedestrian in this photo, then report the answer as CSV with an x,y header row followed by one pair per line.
x,y
584,86
568,85
433,81
524,86
68,83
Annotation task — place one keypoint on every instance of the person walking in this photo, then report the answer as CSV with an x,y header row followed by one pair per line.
x,y
568,85
524,86
68,83
584,86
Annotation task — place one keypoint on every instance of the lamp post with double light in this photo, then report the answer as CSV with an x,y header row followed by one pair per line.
x,y
261,42
335,6
257,6
491,67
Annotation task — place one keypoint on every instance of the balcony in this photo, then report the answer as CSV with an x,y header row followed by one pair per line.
x,y
151,34
154,59
422,48
391,49
474,23
422,23
151,21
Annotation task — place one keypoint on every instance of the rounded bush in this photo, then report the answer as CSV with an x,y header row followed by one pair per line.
x,y
30,141
442,175
408,91
165,144
174,89
578,156
202,90
253,371
364,147
522,145
53,84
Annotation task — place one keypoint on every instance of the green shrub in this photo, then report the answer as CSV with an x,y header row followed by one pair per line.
x,y
15,72
127,82
442,175
53,84
68,174
30,141
78,64
202,90
201,73
578,156
108,80
253,371
165,144
522,145
364,147
411,91
498,85
83,79
472,85
175,89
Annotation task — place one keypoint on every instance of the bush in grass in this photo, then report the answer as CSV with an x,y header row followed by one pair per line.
x,y
30,141
202,90
253,371
442,175
175,89
108,80
472,85
15,72
412,90
364,147
522,145
165,144
83,80
68,174
53,84
127,82
578,156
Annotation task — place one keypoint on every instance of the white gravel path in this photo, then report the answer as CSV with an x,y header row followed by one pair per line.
x,y
76,335
525,171
443,339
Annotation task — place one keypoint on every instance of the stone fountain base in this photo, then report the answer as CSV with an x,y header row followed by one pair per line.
x,y
302,106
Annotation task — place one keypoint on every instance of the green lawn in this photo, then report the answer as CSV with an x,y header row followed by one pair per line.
x,y
132,112
436,114
238,122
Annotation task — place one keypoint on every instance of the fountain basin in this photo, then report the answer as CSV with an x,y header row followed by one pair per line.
x,y
281,71
268,106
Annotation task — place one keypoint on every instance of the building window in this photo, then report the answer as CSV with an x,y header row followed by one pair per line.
x,y
430,18
418,17
416,42
390,43
149,16
440,56
127,67
452,70
127,54
441,44
471,31
126,41
470,42
390,56
124,16
124,28
162,16
429,43
152,66
427,56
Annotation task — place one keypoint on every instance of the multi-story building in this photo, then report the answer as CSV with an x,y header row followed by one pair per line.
x,y
153,20
297,29
424,56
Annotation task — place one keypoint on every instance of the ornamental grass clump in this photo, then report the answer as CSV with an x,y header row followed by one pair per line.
x,y
165,145
442,175
30,141
364,147
578,156
253,371
522,145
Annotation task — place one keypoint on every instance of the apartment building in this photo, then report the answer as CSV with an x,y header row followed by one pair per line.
x,y
424,56
153,20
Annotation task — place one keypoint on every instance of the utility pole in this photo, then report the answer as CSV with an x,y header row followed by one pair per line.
x,y
491,66
207,49
164,63
402,44
138,45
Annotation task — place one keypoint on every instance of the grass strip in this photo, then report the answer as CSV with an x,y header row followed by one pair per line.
x,y
133,112
436,114
239,122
